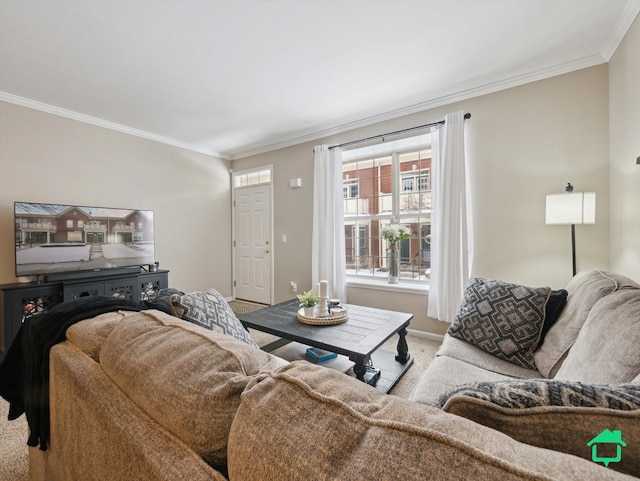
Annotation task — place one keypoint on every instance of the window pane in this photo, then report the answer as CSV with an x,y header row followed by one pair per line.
x,y
415,252
367,186
362,254
407,183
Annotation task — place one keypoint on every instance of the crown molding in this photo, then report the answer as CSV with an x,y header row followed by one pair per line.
x,y
464,92
87,119
439,100
629,14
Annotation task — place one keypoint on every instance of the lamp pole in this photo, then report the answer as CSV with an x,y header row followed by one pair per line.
x,y
569,188
573,247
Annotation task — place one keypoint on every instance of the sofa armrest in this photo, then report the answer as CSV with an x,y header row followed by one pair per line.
x,y
98,433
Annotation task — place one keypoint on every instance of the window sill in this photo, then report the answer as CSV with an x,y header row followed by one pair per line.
x,y
404,287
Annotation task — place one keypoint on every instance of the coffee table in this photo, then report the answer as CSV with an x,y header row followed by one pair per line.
x,y
359,338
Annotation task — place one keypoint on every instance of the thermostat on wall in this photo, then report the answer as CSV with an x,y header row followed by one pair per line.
x,y
295,183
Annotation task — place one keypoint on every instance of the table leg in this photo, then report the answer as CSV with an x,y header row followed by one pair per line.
x,y
360,369
403,349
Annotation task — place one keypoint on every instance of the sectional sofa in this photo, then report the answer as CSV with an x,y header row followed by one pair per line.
x,y
149,396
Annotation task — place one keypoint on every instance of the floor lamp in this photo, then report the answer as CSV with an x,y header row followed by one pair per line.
x,y
571,208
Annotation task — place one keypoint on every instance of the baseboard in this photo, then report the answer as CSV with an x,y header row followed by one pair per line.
x,y
427,335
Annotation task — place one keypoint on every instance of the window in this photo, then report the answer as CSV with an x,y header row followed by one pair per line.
x,y
415,181
382,185
255,177
350,189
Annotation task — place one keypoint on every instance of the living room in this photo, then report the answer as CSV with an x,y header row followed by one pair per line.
x,y
528,136
523,143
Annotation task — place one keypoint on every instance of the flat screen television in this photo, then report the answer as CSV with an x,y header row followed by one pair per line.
x,y
55,238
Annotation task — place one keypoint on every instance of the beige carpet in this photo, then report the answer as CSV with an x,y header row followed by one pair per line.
x,y
242,307
13,435
14,461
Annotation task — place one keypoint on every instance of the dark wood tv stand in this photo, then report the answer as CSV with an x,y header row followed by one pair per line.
x,y
22,300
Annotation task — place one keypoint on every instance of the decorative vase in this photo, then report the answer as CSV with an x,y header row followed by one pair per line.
x,y
393,264
310,311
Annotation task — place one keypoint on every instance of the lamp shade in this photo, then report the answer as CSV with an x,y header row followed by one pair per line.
x,y
571,208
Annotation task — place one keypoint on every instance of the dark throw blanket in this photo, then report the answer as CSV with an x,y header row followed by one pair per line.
x,y
24,372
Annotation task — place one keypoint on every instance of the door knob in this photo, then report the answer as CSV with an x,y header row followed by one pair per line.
x,y
266,251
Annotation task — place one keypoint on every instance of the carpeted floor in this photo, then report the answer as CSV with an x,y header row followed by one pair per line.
x,y
242,307
14,463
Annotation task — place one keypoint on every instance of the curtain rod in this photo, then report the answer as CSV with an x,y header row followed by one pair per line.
x,y
353,142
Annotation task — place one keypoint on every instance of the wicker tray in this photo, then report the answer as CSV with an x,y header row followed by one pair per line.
x,y
329,320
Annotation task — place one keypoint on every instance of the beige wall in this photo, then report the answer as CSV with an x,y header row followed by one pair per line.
x,y
523,143
46,158
624,131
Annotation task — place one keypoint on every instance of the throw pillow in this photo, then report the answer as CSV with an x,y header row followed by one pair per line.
x,y
211,311
503,319
531,393
557,300
556,415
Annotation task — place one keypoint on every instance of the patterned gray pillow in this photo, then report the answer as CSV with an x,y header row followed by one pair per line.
x,y
532,393
211,311
568,417
501,318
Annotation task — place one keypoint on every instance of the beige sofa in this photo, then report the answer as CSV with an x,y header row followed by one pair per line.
x,y
594,340
588,356
147,396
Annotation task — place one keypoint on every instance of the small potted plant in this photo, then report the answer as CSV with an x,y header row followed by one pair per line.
x,y
308,301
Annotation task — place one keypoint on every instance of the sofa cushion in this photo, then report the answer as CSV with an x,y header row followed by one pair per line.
x,y
187,378
585,289
501,318
607,349
446,373
463,351
337,428
90,334
556,415
211,311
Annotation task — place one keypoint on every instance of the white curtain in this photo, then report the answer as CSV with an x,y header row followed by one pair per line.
x,y
327,245
451,222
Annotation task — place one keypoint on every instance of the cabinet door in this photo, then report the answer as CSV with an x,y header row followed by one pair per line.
x,y
151,284
122,288
20,304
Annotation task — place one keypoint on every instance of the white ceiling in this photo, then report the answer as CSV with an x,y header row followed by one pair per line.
x,y
233,78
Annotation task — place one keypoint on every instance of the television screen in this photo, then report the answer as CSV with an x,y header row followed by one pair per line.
x,y
53,238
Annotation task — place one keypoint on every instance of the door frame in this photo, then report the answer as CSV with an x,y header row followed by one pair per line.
x,y
232,179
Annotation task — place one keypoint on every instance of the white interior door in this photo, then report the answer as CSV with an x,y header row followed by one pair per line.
x,y
253,249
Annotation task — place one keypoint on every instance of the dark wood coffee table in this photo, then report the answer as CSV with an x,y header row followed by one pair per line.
x,y
359,337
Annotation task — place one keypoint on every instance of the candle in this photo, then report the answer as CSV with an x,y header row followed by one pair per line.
x,y
324,289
